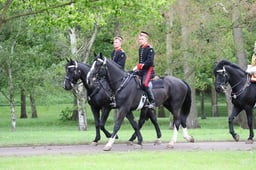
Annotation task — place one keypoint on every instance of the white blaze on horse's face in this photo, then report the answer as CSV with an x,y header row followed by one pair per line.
x,y
223,74
89,73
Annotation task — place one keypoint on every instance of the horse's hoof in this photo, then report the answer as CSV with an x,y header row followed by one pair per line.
x,y
192,140
236,137
249,141
107,148
129,143
170,145
158,142
94,143
137,146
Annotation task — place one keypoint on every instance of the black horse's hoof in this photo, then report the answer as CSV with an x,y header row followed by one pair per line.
x,y
137,146
94,143
249,141
130,143
236,137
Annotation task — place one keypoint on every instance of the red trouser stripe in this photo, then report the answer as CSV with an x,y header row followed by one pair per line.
x,y
148,76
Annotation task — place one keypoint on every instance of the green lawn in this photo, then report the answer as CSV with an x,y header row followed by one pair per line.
x,y
49,129
199,160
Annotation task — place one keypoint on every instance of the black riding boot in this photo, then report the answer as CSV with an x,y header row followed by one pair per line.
x,y
151,98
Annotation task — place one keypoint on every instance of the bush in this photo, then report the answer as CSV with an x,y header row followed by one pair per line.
x,y
66,114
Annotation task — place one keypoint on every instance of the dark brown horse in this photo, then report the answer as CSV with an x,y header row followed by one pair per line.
x,y
175,95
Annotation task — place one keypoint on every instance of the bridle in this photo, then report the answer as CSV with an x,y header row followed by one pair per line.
x,y
76,74
103,62
223,85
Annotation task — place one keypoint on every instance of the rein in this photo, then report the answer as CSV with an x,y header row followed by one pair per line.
x,y
123,79
246,84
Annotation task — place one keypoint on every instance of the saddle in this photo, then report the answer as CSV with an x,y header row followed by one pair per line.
x,y
157,82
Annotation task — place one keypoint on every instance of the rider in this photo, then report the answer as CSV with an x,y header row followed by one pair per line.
x,y
252,68
118,55
146,65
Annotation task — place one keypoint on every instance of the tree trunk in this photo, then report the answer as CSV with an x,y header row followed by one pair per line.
x,y
23,110
80,93
75,110
33,106
13,116
169,24
189,74
11,92
203,115
88,46
82,124
11,88
239,49
214,101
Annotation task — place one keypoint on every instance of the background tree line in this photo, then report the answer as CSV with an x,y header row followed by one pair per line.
x,y
188,38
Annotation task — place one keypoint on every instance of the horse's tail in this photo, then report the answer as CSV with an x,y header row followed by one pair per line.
x,y
187,102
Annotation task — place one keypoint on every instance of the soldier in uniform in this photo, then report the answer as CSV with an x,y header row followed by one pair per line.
x,y
118,55
252,68
145,66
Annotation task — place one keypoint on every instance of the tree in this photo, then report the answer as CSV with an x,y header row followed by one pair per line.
x,y
189,70
9,13
238,38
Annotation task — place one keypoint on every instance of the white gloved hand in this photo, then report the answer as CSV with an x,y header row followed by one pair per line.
x,y
134,68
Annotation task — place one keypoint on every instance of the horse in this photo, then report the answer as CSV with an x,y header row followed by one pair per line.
x,y
100,99
174,94
243,93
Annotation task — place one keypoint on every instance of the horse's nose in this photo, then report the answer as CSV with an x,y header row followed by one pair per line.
x,y
67,86
218,89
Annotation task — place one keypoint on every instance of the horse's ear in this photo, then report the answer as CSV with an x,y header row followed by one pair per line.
x,y
95,55
101,56
67,60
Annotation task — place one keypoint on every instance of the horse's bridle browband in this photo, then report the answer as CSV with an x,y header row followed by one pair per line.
x,y
76,65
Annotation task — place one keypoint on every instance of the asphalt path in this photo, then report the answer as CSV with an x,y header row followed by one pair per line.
x,y
89,149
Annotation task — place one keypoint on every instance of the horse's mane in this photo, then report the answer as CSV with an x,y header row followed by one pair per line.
x,y
223,63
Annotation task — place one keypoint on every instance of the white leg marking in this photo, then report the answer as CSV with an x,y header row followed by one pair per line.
x,y
108,146
111,141
174,138
186,135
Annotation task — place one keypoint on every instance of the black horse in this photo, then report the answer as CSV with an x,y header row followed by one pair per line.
x,y
174,94
100,98
243,93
